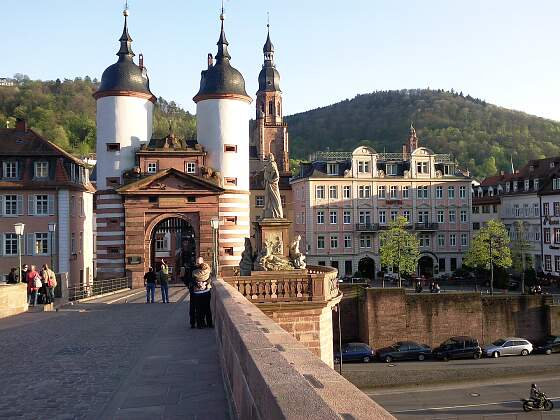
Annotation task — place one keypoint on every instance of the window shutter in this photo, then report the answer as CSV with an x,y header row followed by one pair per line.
x,y
2,238
1,205
51,204
30,244
20,205
31,205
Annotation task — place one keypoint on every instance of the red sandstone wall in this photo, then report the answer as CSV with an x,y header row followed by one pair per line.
x,y
553,313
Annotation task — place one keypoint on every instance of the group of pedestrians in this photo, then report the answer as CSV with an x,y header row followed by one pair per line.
x,y
151,279
40,283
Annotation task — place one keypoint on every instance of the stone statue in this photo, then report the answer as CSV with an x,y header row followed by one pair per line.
x,y
278,246
272,200
296,257
269,262
246,263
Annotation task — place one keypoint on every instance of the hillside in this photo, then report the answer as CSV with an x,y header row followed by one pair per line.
x,y
64,112
483,137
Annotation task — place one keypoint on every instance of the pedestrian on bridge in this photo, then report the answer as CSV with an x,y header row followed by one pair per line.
x,y
202,295
163,276
49,280
150,283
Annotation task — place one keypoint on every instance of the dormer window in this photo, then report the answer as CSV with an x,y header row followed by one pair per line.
x,y
552,164
41,169
448,169
363,166
10,170
332,168
422,167
491,192
536,184
507,187
527,185
556,184
392,169
514,186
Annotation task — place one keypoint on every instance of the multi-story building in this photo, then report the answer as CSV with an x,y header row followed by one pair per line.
x,y
48,190
342,201
549,196
486,202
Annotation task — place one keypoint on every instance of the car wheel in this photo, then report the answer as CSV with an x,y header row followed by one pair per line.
x,y
366,359
476,356
421,357
524,352
548,351
388,359
496,354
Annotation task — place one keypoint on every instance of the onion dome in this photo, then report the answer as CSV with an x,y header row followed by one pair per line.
x,y
125,76
221,79
269,77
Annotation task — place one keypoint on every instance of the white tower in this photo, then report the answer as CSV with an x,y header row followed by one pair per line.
x,y
222,113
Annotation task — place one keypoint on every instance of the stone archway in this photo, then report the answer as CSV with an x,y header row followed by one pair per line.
x,y
426,265
366,267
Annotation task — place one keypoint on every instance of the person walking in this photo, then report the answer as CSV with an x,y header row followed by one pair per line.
x,y
34,283
150,283
49,280
201,276
163,276
12,277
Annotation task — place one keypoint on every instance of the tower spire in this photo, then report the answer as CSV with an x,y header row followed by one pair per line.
x,y
268,48
125,39
223,53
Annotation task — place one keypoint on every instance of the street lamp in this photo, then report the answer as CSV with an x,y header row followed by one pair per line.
x,y
52,230
19,228
215,224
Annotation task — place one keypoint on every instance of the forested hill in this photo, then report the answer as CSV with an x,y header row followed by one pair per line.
x,y
64,112
483,137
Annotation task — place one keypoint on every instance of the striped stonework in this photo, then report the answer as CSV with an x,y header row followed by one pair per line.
x,y
232,232
109,216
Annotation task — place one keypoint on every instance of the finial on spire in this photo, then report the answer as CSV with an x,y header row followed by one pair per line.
x,y
125,39
268,20
222,42
125,11
268,48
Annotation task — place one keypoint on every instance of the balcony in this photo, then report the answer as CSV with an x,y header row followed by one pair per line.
x,y
426,226
367,227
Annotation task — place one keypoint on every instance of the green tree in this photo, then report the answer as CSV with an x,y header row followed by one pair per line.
x,y
399,248
520,248
490,248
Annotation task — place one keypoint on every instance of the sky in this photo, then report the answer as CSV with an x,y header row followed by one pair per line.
x,y
503,51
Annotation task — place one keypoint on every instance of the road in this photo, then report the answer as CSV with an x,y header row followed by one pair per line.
x,y
469,402
113,357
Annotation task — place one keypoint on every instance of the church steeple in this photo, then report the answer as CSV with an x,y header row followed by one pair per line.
x,y
223,53
268,48
125,39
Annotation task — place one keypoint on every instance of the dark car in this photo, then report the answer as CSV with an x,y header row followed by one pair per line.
x,y
404,350
355,352
551,344
458,348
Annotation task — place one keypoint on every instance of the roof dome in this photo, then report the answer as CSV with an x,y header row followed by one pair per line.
x,y
269,79
221,78
125,75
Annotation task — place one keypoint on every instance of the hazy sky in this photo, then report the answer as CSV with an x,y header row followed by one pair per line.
x,y
503,51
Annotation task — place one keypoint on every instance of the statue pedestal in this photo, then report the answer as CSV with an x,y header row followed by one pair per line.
x,y
273,230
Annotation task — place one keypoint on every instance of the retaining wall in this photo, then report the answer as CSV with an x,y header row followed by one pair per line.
x,y
13,299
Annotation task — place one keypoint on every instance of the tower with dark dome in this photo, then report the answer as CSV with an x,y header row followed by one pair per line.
x,y
270,133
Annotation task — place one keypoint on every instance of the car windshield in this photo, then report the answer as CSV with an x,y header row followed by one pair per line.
x,y
499,342
551,339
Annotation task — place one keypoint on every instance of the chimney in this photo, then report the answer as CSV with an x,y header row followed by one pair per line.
x,y
405,151
21,125
141,61
210,60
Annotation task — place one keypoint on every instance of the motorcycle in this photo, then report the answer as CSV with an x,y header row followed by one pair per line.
x,y
530,404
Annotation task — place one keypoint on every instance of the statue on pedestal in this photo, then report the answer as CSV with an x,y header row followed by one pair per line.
x,y
272,199
296,257
267,261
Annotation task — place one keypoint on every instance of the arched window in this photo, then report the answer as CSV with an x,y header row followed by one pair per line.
x,y
278,109
271,108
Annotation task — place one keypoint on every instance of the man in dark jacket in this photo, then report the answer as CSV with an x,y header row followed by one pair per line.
x,y
150,283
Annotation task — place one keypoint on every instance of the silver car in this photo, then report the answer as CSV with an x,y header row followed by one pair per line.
x,y
511,346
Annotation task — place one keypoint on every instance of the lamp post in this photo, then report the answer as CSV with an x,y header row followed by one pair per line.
x,y
215,224
19,228
52,230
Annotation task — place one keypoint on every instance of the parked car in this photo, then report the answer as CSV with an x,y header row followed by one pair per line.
x,y
458,348
404,350
551,344
355,352
508,347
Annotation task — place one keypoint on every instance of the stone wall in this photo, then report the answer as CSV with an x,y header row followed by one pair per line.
x,y
553,315
385,316
13,299
270,375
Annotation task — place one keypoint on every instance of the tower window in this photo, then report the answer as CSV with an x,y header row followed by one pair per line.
x,y
228,251
152,167
271,108
230,148
230,181
113,147
230,220
191,199
113,181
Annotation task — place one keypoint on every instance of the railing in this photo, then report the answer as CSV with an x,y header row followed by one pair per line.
x,y
426,226
315,283
98,287
367,227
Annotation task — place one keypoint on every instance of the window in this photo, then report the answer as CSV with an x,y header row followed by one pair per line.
x,y
462,192
536,184
9,170
476,225
346,192
439,192
320,192
113,147
11,207
320,217
162,243
333,192
464,239
526,185
424,241
230,181
332,168
346,217
41,205
152,167
557,263
405,191
422,192
10,244
259,201
548,263
441,264
476,209
453,264
334,241
230,220
556,208
191,198
365,241
536,209
364,191
463,216
190,167
441,240
333,216
382,217
422,167
365,217
347,241
546,209
153,199
41,244
230,148
486,209
392,169
112,181
394,214
381,191
41,169
363,167
451,192
394,192
452,240
406,215
440,216
228,250
73,243
452,216
546,232
320,242
556,236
